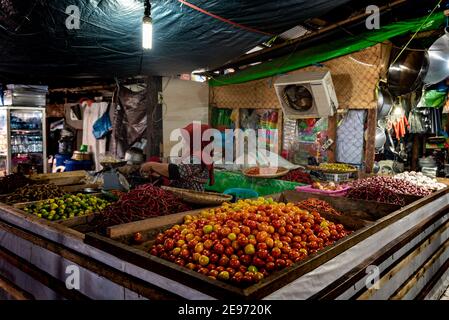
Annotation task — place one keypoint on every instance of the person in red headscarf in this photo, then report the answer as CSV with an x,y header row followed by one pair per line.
x,y
193,172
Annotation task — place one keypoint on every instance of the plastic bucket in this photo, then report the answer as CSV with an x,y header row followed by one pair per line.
x,y
61,158
241,193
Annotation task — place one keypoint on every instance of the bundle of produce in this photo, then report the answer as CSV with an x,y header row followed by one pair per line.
x,y
336,167
35,192
246,241
256,171
67,206
420,180
299,176
375,193
318,205
331,186
12,182
144,202
395,185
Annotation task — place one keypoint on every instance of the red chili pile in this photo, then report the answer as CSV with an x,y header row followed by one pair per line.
x,y
384,189
144,202
299,176
317,205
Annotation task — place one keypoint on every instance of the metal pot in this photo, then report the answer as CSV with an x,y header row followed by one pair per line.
x,y
380,139
438,60
134,156
407,73
384,103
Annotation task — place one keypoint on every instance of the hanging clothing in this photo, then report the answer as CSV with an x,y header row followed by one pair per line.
x,y
95,146
129,122
350,138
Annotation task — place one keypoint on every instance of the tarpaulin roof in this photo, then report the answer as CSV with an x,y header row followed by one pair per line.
x,y
35,43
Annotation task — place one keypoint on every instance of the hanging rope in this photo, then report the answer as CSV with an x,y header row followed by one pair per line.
x,y
417,31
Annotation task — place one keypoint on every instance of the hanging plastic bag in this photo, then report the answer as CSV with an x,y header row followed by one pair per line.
x,y
432,99
102,126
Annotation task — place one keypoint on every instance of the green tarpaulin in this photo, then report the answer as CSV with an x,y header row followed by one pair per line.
x,y
226,180
327,51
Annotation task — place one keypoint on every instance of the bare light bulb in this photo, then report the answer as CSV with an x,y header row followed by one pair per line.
x,y
147,33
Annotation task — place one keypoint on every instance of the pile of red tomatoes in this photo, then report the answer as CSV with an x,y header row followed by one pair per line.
x,y
246,241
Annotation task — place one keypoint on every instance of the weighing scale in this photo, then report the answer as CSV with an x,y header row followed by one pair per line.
x,y
112,179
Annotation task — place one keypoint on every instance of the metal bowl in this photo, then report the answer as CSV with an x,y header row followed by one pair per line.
x,y
384,103
91,190
113,165
407,73
438,59
380,139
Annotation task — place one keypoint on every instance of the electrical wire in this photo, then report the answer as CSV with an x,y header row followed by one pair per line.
x,y
417,31
366,39
235,24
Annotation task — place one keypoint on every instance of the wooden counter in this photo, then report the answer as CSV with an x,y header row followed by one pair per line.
x,y
410,248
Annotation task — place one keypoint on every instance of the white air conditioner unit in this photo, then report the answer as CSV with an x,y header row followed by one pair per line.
x,y
307,95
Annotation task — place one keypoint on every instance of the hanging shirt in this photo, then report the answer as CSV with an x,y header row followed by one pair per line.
x,y
95,146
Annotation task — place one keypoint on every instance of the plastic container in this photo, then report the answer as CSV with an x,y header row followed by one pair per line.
x,y
337,193
241,193
61,158
337,177
74,165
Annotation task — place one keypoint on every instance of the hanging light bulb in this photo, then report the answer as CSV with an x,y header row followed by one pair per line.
x,y
147,27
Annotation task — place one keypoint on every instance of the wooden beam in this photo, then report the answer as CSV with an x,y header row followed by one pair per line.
x,y
123,279
406,261
13,291
253,57
41,276
332,134
344,283
413,280
371,140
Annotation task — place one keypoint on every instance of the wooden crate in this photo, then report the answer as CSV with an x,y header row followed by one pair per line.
x,y
72,222
68,189
122,247
61,178
361,209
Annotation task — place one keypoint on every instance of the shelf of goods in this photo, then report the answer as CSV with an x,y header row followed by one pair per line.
x,y
409,245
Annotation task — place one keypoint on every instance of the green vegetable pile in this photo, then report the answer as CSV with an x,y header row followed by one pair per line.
x,y
67,207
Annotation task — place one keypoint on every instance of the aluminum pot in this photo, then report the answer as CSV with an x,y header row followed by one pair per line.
x,y
384,103
438,60
406,74
134,156
380,139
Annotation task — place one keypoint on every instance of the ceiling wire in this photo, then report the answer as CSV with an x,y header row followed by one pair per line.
x,y
366,39
235,24
417,31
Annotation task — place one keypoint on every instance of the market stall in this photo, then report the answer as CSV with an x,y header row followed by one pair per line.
x,y
314,166
406,243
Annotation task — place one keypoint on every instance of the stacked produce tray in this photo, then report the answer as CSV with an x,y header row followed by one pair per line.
x,y
357,216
